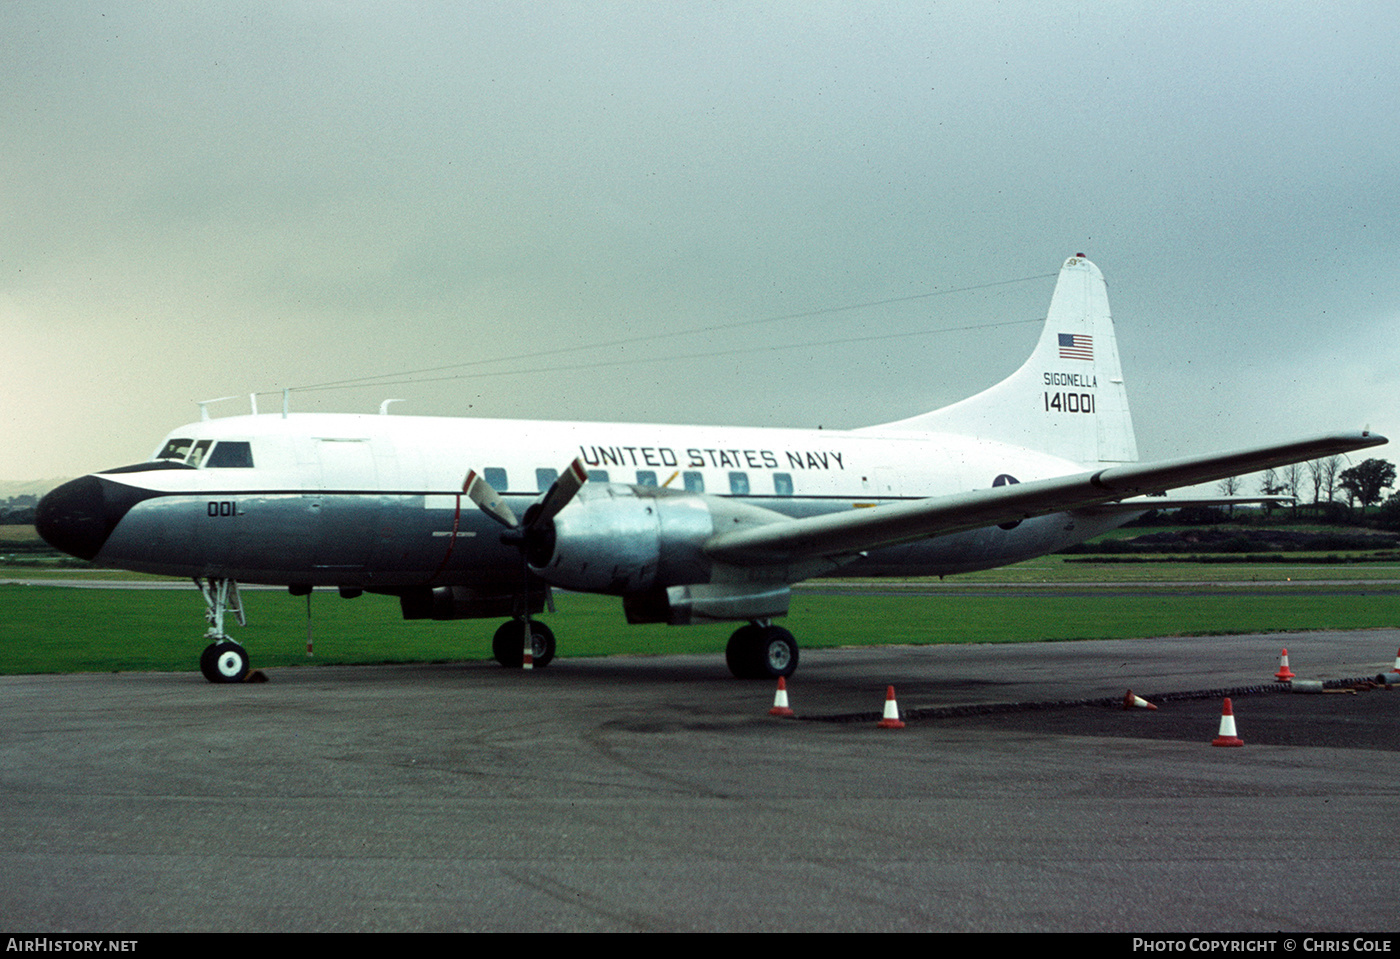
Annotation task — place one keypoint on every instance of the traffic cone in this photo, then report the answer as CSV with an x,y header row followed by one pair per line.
x,y
1284,674
1227,735
1130,702
1396,667
891,720
780,701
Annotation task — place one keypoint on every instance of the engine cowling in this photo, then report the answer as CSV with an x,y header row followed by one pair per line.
x,y
624,539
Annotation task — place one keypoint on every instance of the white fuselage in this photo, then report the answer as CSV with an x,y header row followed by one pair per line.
x,y
375,501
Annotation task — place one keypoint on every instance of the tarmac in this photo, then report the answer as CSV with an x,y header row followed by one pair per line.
x,y
656,794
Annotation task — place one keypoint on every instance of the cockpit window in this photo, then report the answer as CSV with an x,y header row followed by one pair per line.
x,y
175,450
201,450
231,453
228,454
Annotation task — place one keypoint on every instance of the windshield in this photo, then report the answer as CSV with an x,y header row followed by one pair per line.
x,y
175,450
237,454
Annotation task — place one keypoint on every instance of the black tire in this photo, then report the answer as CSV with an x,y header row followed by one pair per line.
x,y
506,644
761,652
741,654
224,662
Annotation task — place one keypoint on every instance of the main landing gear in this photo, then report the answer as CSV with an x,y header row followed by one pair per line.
x,y
761,650
508,645
223,660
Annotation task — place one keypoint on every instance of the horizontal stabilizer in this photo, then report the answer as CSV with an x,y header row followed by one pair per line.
x,y
850,532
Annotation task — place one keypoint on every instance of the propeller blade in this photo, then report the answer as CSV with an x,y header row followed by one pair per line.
x,y
488,500
560,494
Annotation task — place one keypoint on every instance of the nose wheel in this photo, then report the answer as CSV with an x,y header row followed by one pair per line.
x,y
223,660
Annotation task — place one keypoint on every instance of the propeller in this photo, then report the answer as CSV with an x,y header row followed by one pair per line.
x,y
534,537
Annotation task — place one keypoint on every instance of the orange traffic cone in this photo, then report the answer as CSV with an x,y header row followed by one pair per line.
x,y
1284,674
780,701
1396,667
891,720
1227,735
1131,702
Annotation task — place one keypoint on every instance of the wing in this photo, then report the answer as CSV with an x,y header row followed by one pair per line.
x,y
835,534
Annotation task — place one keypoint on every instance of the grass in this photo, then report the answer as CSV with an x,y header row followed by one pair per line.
x,y
1174,568
58,629
63,629
45,629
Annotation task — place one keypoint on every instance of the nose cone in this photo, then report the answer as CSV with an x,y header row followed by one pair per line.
x,y
75,517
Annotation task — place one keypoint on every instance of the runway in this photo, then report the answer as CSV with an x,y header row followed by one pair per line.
x,y
656,794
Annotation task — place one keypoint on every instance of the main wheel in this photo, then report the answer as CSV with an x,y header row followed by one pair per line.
x,y
761,652
776,653
224,662
740,655
508,644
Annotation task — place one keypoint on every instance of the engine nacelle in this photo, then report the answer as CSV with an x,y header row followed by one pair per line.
x,y
617,539
625,539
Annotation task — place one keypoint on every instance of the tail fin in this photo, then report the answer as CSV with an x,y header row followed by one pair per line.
x,y
1068,399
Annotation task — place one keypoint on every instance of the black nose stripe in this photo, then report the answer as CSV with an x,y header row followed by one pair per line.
x,y
78,516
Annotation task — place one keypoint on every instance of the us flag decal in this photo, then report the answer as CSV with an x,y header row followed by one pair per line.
x,y
1076,346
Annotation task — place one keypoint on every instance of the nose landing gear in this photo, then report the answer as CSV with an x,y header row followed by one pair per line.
x,y
223,660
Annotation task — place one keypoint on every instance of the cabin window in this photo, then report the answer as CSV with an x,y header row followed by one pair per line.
x,y
739,484
646,477
782,484
544,479
231,454
694,481
496,478
597,476
175,450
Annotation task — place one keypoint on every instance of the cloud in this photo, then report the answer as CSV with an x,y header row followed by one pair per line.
x,y
216,199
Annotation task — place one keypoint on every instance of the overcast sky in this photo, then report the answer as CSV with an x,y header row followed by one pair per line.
x,y
203,199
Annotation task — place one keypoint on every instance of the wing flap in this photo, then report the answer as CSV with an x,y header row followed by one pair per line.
x,y
835,534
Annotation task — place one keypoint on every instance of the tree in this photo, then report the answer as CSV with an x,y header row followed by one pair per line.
x,y
1390,514
1229,486
1331,471
1324,473
1315,469
1367,481
1271,485
1292,479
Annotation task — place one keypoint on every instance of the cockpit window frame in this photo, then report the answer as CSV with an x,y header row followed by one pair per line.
x,y
200,453
206,453
171,453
